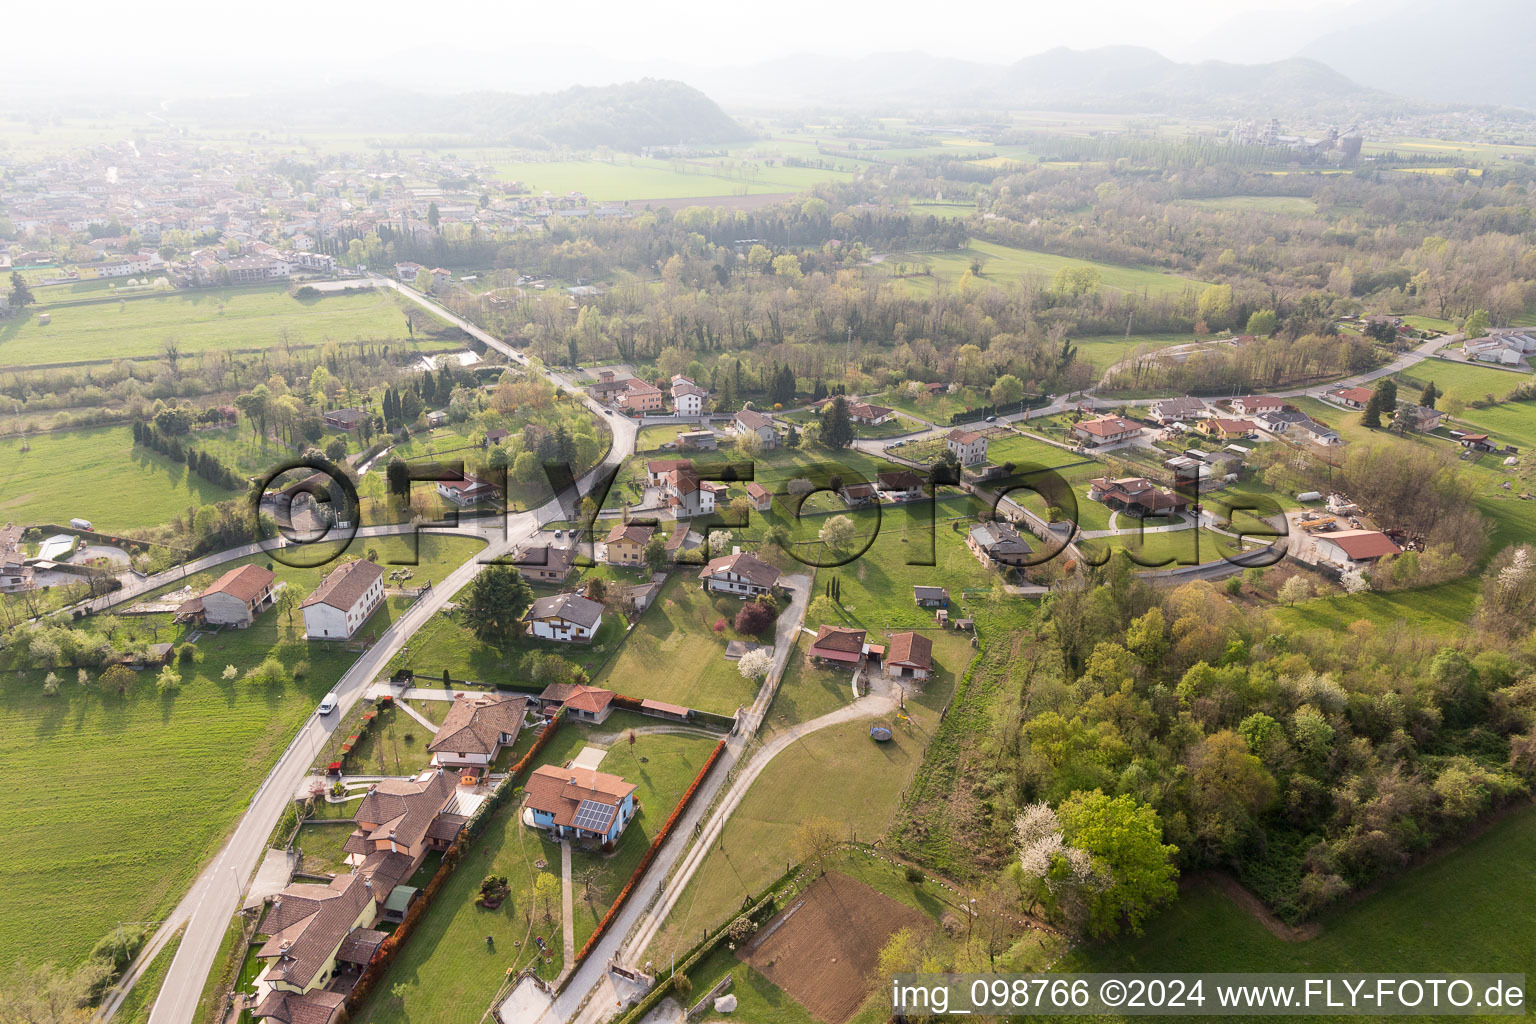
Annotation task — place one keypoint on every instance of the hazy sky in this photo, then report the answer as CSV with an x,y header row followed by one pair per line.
x,y
595,41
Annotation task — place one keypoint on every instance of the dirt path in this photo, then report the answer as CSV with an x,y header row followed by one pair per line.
x,y
567,906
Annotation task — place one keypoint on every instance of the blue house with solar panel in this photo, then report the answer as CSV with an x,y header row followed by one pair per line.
x,y
589,807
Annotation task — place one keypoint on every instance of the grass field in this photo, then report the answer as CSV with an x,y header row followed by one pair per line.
x,y
1426,919
200,321
755,846
445,643
1464,381
86,839
638,179
674,654
1002,263
95,474
1102,353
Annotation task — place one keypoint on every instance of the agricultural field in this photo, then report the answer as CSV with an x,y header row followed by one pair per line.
x,y
203,320
870,777
82,854
1003,263
98,474
1102,353
1476,927
637,179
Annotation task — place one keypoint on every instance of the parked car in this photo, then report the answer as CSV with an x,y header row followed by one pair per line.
x,y
329,703
991,419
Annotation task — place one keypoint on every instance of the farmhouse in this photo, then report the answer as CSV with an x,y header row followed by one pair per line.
x,y
1353,549
750,421
568,618
843,645
344,600
1253,405
625,543
910,656
969,446
1170,410
475,729
579,803
1106,430
234,599
930,597
1135,496
761,497
899,485
545,563
582,703
998,544
467,491
739,573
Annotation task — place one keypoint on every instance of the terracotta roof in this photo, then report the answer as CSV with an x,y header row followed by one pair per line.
x,y
667,465
635,533
560,791
839,638
475,723
900,480
307,923
404,808
320,1007
1227,426
1358,544
346,585
744,564
1361,395
246,582
964,436
360,945
1104,426
758,492
752,419
1258,402
913,649
579,696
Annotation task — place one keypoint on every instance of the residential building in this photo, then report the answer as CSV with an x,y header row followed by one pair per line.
x,y
343,419
637,597
1102,430
1316,433
1419,417
998,544
625,543
750,421
1136,496
467,491
1352,549
344,600
969,446
870,415
902,484
687,397
640,396
1226,429
234,599
1253,405
582,703
930,597
15,573
698,441
1171,410
545,563
579,803
687,495
760,496
476,729
842,645
657,470
857,494
568,618
739,573
910,656
1350,398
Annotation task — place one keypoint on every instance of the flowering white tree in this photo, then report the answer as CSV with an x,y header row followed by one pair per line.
x,y
1355,581
755,663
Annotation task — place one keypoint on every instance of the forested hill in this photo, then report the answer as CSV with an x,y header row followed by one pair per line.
x,y
627,116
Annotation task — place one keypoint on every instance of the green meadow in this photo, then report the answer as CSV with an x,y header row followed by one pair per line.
x,y
1004,263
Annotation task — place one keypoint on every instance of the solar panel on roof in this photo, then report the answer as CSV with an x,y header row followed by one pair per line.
x,y
594,816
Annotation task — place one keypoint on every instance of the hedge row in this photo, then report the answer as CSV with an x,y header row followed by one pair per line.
x,y
650,853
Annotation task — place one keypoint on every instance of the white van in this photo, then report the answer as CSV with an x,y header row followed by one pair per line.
x,y
329,703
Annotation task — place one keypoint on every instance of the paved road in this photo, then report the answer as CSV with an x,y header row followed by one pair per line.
x,y
214,897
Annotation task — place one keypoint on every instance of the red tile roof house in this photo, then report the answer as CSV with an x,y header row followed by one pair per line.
x,y
739,573
640,396
910,656
1353,549
900,485
589,806
320,931
582,703
969,446
842,645
750,421
854,495
1353,398
476,728
687,495
762,498
545,563
467,491
343,601
1135,496
657,470
870,415
1106,429
625,543
234,599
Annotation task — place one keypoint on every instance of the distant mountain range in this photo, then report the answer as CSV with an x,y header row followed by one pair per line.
x,y
1114,78
627,116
